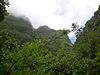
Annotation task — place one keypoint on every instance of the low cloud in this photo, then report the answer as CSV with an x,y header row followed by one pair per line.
x,y
57,14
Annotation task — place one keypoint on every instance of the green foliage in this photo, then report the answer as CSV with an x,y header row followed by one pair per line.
x,y
6,41
7,46
59,40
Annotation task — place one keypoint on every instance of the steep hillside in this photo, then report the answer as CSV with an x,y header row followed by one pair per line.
x,y
19,28
88,43
58,39
22,30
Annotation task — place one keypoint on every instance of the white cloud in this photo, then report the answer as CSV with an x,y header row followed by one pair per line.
x,y
57,14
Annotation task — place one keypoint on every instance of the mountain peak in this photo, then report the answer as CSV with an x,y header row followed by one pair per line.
x,y
44,27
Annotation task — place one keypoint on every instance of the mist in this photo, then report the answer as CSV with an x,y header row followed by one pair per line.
x,y
57,14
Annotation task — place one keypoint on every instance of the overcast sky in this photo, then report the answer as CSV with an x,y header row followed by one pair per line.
x,y
57,14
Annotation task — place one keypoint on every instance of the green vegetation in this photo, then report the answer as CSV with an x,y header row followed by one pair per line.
x,y
44,51
44,31
18,27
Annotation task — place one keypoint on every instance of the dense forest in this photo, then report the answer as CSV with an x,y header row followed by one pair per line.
x,y
25,50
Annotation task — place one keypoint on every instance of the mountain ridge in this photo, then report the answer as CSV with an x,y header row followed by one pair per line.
x,y
23,30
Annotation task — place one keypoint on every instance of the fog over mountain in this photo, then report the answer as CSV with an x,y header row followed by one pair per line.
x,y
57,14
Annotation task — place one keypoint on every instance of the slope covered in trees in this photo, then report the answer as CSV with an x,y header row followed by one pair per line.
x,y
88,43
18,27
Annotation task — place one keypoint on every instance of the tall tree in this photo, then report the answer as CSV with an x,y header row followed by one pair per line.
x,y
3,11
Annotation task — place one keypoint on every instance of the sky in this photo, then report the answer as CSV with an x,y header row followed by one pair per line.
x,y
57,14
